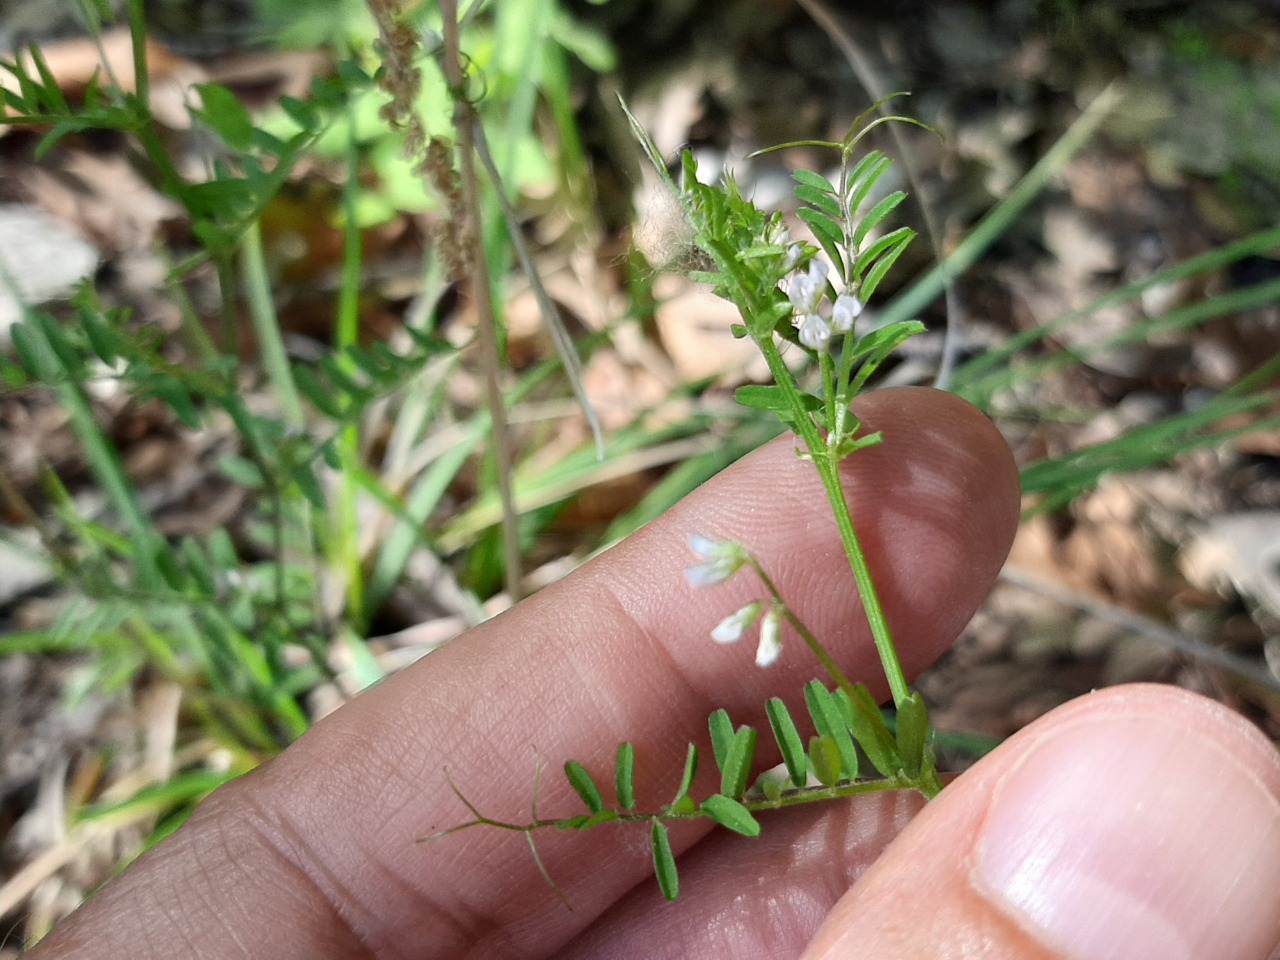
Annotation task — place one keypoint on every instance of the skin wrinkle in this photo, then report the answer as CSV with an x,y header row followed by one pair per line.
x,y
223,852
353,913
279,838
607,707
258,814
652,790
217,855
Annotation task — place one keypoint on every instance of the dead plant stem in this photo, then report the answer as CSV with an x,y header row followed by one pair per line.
x,y
465,121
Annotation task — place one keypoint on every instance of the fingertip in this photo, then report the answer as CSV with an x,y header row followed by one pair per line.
x,y
1139,823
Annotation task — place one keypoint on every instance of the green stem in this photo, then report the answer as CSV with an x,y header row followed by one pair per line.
x,y
138,37
266,326
347,335
814,644
788,798
829,471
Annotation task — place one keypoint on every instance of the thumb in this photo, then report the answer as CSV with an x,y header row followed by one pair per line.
x,y
1137,823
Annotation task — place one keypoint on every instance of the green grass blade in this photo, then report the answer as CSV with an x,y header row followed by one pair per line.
x,y
970,376
924,291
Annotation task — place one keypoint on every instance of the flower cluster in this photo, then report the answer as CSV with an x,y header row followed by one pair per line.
x,y
721,559
808,292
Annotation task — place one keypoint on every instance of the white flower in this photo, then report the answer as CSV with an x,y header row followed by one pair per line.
x,y
847,309
770,644
804,290
721,560
732,627
793,256
814,331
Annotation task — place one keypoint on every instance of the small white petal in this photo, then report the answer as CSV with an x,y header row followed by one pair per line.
x,y
805,290
706,574
705,546
802,292
732,627
770,647
815,332
847,309
722,559
793,252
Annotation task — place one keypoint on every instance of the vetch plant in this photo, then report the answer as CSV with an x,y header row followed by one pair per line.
x,y
791,295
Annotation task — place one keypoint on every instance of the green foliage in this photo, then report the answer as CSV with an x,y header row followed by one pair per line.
x,y
522,54
586,788
664,862
788,738
246,620
831,761
830,724
748,256
686,778
624,777
735,771
731,814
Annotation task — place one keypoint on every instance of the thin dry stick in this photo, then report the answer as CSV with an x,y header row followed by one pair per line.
x,y
550,314
1185,643
466,122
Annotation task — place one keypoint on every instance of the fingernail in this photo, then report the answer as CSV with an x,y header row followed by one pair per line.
x,y
1123,837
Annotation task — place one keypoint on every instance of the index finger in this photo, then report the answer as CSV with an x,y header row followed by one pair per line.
x,y
314,854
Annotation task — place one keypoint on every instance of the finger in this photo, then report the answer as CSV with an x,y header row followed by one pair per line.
x,y
757,900
617,651
1137,823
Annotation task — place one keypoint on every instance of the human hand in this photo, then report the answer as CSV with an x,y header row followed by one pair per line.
x,y
1137,823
